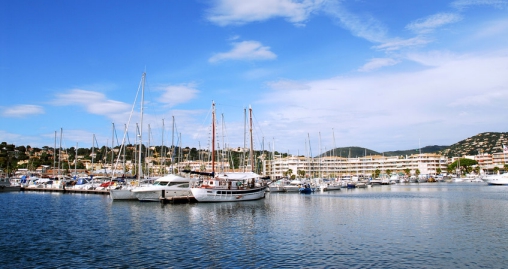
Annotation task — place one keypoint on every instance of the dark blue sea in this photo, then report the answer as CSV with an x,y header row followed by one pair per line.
x,y
431,225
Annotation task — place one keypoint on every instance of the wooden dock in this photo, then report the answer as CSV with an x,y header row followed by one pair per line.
x,y
103,192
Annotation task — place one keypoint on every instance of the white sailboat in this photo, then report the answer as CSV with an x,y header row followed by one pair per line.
x,y
123,192
229,187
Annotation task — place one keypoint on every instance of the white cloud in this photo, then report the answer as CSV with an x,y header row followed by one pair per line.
x,y
377,63
461,4
93,102
430,23
365,26
225,12
481,99
397,43
245,50
374,108
177,94
431,58
21,111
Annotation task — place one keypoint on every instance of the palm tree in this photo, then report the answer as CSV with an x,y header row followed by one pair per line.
x,y
496,170
438,171
407,171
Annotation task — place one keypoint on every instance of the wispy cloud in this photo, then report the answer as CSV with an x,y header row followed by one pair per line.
x,y
177,94
93,102
398,43
377,63
364,26
226,12
431,58
245,50
22,111
398,101
429,24
462,4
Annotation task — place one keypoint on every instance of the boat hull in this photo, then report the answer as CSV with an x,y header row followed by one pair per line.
x,y
224,195
122,194
154,195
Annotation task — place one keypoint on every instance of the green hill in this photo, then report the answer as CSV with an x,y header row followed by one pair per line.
x,y
490,142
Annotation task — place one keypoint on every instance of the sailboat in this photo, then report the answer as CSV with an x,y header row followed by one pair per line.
x,y
123,192
229,187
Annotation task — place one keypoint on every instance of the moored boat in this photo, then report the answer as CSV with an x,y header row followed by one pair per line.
x,y
229,187
172,185
501,179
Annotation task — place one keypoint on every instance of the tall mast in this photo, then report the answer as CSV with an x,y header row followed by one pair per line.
x,y
60,152
93,154
54,157
213,138
251,141
173,148
140,165
244,138
112,146
163,163
76,160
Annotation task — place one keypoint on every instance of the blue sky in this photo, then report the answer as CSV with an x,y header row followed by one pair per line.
x,y
386,75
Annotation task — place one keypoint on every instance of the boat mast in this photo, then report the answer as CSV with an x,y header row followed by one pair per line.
x,y
112,145
140,164
244,138
54,157
251,141
93,154
163,163
213,139
75,161
60,152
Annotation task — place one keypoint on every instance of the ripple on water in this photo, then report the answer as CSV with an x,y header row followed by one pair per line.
x,y
401,226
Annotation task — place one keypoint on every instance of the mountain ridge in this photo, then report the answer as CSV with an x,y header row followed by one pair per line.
x,y
487,142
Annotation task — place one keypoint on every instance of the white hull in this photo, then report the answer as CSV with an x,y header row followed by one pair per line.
x,y
330,187
224,195
292,188
122,194
153,194
276,189
498,179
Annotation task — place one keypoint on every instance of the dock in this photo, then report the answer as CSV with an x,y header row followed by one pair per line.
x,y
103,192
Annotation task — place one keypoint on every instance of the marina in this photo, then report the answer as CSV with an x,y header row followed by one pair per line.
x,y
426,225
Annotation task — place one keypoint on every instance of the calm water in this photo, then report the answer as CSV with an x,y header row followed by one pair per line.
x,y
445,225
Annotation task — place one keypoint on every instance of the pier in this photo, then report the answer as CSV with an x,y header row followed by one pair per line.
x,y
103,192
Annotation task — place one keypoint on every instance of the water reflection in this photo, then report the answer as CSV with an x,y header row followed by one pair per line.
x,y
395,226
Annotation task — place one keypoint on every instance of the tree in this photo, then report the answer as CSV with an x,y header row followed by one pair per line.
x,y
477,169
388,172
496,170
289,172
407,171
462,164
376,173
417,172
438,171
449,169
